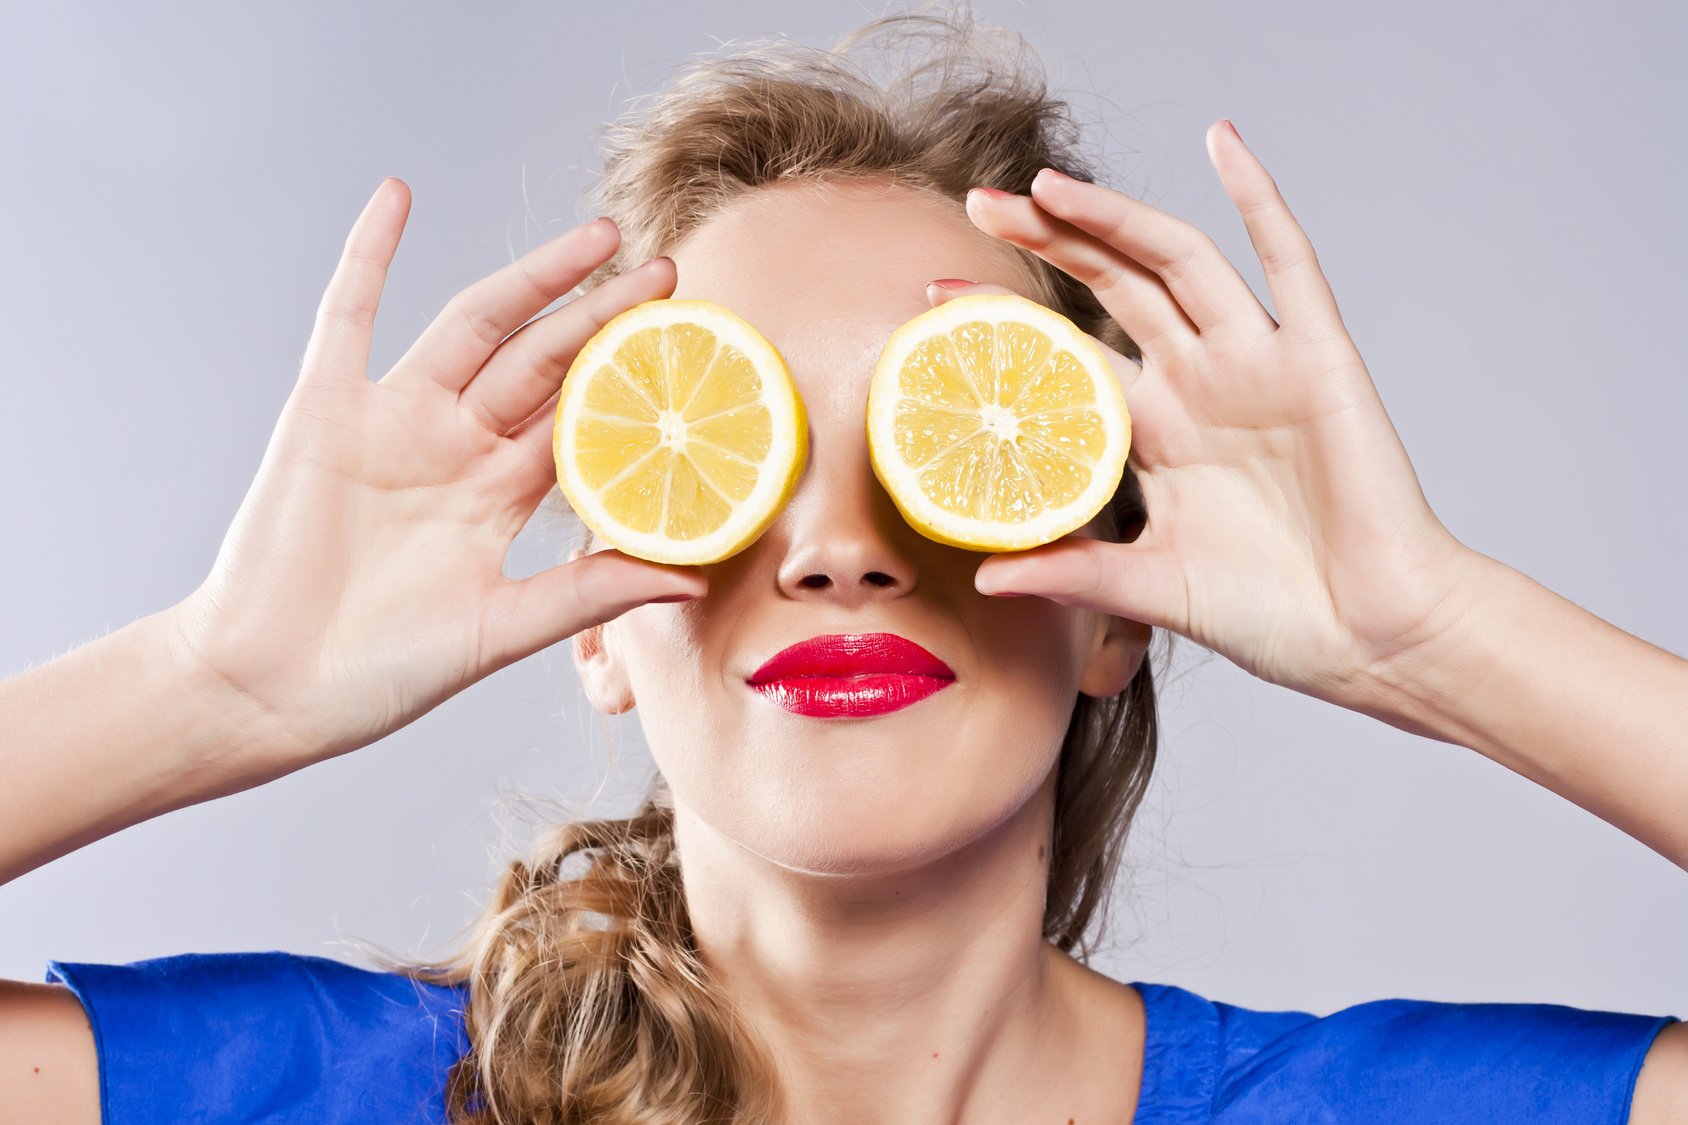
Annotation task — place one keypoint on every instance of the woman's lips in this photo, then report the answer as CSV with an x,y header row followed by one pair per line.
x,y
850,674
826,696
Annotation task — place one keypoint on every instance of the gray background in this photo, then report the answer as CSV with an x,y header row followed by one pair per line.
x,y
1495,192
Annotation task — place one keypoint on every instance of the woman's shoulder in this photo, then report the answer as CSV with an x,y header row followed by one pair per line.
x,y
1394,1060
238,1036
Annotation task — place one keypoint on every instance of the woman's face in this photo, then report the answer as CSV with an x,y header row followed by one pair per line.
x,y
826,274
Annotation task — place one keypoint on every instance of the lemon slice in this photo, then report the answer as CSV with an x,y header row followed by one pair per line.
x,y
996,424
679,432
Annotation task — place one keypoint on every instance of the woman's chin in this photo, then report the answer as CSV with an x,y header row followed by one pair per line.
x,y
880,809
893,836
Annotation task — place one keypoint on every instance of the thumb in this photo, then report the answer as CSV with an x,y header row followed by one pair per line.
x,y
1139,581
528,614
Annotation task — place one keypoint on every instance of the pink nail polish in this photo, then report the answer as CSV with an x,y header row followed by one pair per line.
x,y
992,193
950,282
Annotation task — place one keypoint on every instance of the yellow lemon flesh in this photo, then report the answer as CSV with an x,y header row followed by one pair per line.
x,y
679,433
996,424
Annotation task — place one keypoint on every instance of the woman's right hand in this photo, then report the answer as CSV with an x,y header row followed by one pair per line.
x,y
361,583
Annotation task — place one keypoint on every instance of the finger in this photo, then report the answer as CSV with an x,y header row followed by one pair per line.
x,y
1205,283
937,292
531,446
477,320
533,437
345,319
1300,292
530,366
1132,295
1140,581
528,614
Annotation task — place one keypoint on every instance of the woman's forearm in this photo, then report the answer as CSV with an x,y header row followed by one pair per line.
x,y
115,732
1549,690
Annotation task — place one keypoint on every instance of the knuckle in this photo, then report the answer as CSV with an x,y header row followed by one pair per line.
x,y
537,289
586,593
363,259
593,311
1106,277
1034,236
1254,207
1116,231
354,314
358,255
1186,258
485,327
1093,577
572,610
1278,258
541,462
533,361
1328,343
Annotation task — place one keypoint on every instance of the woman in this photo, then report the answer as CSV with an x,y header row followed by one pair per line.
x,y
818,919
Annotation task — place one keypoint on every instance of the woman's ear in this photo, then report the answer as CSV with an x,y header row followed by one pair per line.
x,y
1118,651
602,670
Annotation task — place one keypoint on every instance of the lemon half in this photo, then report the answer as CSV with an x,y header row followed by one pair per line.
x,y
996,424
679,433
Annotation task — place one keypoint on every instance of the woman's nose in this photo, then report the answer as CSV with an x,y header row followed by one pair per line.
x,y
844,539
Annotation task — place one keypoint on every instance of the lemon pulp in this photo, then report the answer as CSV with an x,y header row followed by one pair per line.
x,y
996,424
679,433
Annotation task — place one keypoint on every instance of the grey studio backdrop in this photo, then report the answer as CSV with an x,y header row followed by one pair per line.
x,y
1495,191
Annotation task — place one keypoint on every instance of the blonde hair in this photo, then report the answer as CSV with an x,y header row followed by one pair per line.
x,y
588,1000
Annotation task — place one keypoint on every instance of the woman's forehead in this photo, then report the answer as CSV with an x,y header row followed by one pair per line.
x,y
795,257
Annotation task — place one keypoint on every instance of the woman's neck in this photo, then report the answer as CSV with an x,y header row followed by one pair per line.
x,y
924,995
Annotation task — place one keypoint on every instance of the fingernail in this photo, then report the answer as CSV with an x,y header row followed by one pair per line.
x,y
950,282
1049,175
1232,127
991,193
677,598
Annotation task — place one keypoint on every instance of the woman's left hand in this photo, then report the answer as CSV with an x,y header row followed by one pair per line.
x,y
1286,528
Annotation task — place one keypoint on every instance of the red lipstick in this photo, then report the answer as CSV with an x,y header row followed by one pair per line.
x,y
850,674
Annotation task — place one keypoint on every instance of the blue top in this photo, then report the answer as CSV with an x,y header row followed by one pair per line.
x,y
274,1037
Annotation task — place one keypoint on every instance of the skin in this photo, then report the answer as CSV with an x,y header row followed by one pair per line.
x,y
872,889
1316,563
362,583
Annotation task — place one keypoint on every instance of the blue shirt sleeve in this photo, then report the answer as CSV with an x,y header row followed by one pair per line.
x,y
1395,1062
272,1037
1387,1062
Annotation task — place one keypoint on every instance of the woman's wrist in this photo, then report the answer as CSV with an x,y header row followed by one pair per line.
x,y
238,732
120,730
1425,686
1538,684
